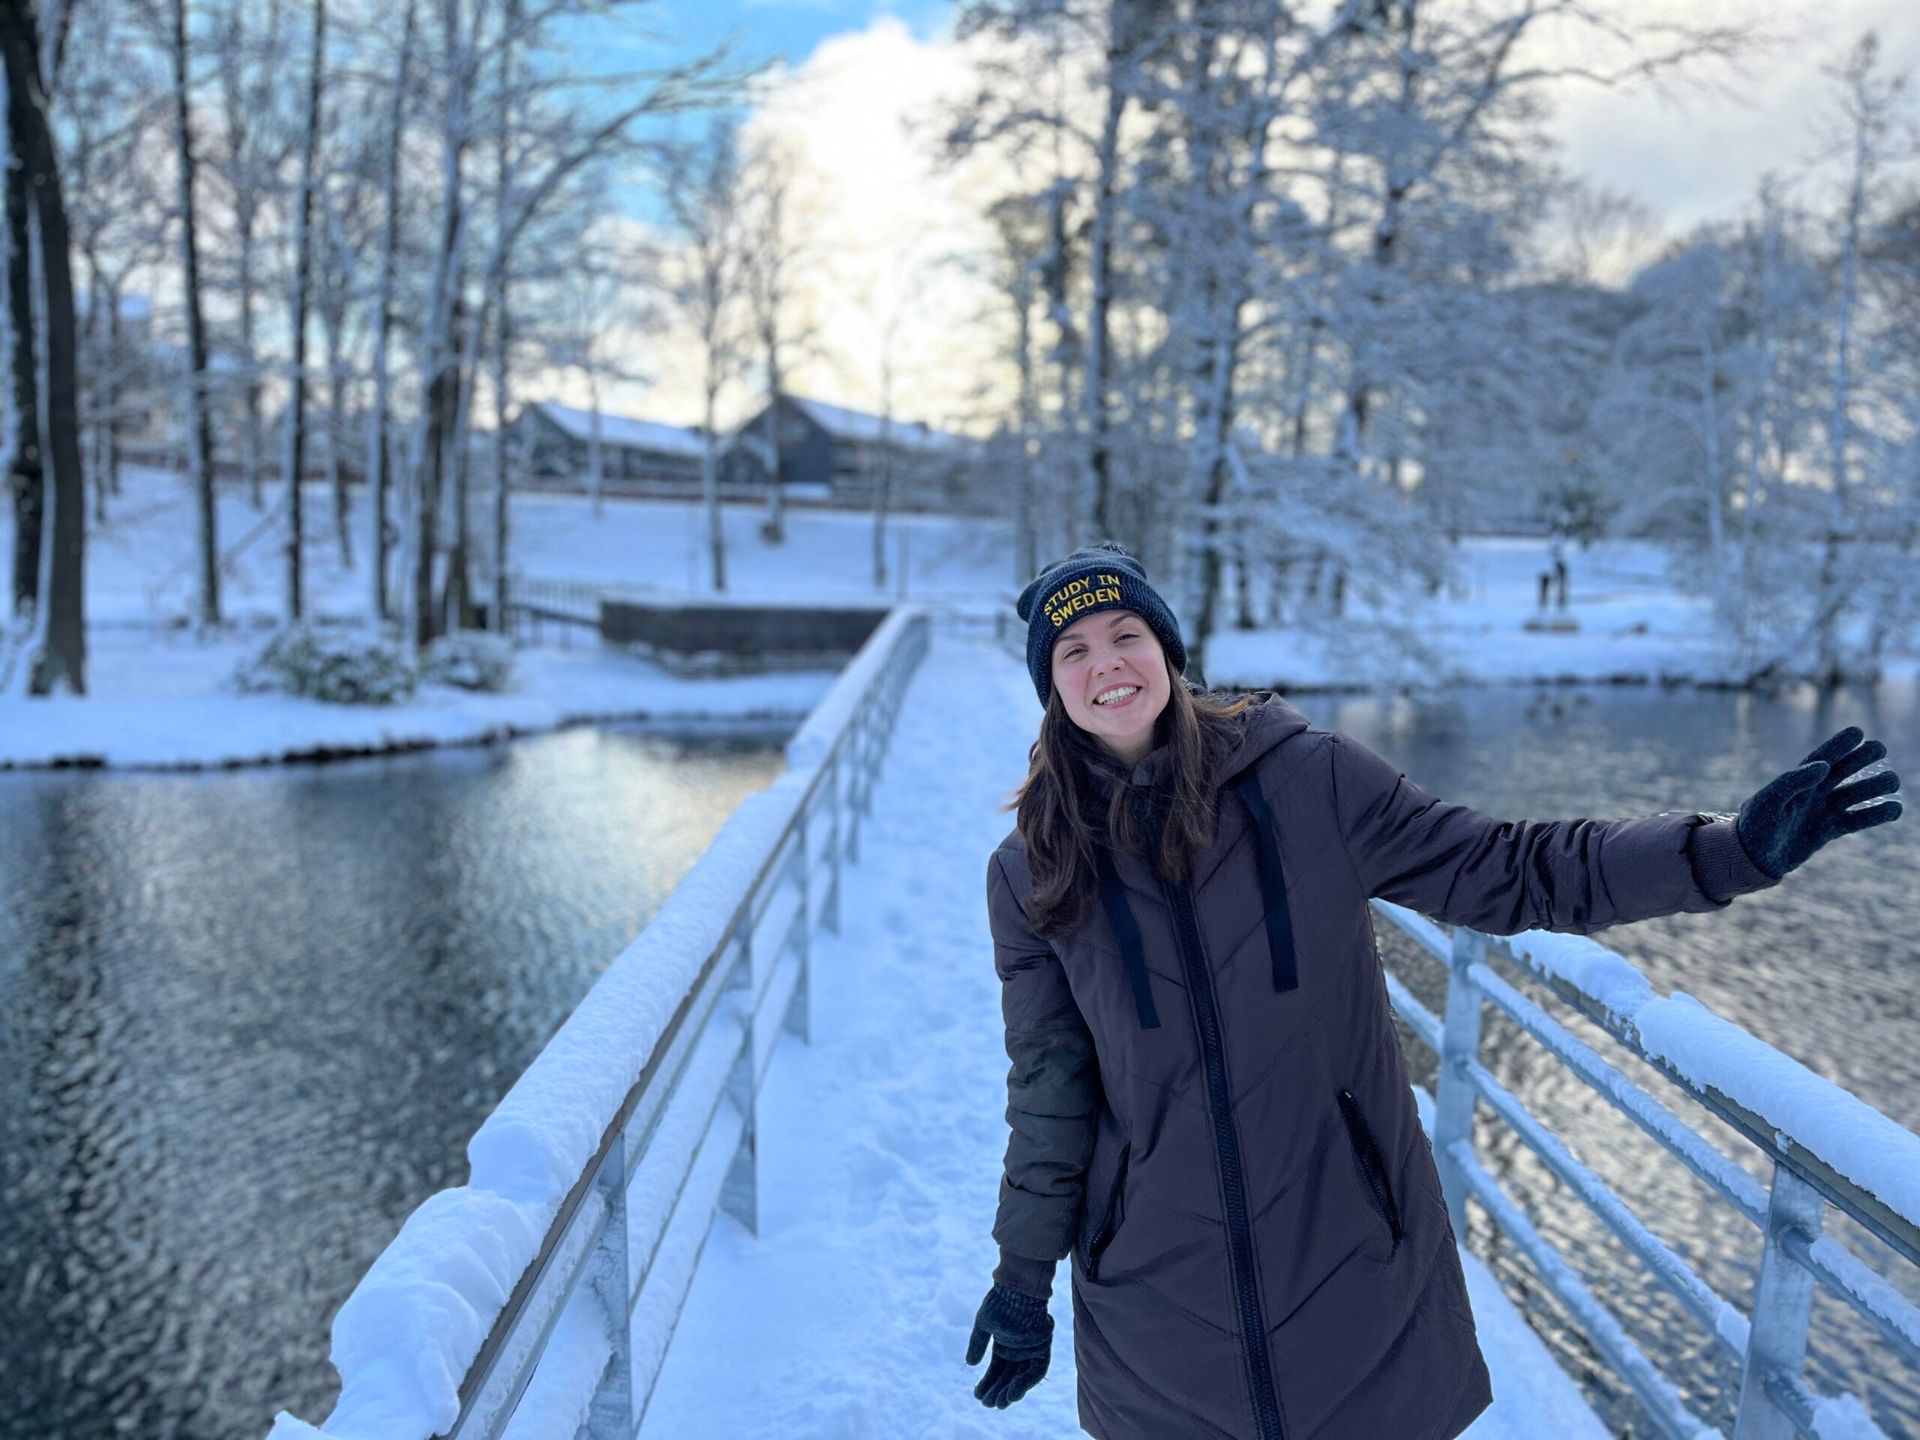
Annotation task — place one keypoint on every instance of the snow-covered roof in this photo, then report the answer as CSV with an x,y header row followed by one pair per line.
x,y
846,424
624,430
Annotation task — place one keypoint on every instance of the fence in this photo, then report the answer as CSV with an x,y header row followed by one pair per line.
x,y
1827,1148
539,1299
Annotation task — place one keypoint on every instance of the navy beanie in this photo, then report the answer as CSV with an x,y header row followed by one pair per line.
x,y
1101,577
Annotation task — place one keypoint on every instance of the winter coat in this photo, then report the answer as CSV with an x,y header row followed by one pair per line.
x,y
1208,1105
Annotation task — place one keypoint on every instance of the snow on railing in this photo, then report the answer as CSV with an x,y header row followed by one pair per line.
x,y
1827,1146
539,1297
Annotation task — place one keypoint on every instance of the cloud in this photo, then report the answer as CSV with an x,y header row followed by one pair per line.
x,y
1698,154
888,230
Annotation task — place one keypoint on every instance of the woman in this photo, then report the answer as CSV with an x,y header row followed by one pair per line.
x,y
1207,1103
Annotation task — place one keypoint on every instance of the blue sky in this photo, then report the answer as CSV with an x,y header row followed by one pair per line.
x,y
790,29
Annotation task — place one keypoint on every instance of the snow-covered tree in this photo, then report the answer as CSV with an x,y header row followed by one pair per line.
x,y
703,191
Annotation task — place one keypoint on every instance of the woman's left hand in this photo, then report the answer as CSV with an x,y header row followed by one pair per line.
x,y
1794,815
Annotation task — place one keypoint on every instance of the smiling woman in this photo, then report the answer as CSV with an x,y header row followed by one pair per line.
x,y
1208,1108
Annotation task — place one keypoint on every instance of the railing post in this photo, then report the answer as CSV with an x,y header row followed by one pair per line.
x,y
830,907
610,1416
740,1191
1453,1092
856,753
1782,1301
799,1016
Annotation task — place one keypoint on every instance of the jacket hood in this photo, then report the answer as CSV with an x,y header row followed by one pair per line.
x,y
1262,725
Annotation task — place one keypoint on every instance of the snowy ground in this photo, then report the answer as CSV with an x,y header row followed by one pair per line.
x,y
881,1144
159,696
160,701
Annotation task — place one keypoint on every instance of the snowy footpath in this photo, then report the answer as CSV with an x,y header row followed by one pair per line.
x,y
881,1143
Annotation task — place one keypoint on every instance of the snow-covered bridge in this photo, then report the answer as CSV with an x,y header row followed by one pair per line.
x,y
769,1140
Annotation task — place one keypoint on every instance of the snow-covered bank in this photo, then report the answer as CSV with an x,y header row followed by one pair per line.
x,y
162,700
157,698
880,1146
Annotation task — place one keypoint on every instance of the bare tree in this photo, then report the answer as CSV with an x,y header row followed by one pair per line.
x,y
379,451
53,657
1870,102
252,51
703,192
773,250
195,386
296,418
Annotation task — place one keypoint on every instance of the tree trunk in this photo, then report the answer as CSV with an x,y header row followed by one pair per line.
x,y
503,332
379,454
252,440
1828,664
456,606
775,528
106,478
336,404
57,652
710,491
297,320
199,427
27,478
596,451
439,363
1099,471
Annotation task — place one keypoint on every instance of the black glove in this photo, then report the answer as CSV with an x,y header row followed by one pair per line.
x,y
1794,815
1022,1333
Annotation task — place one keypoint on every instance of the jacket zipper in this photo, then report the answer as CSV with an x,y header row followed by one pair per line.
x,y
1109,1221
1371,1165
1253,1328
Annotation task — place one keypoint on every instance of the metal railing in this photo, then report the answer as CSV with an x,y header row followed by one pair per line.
x,y
1770,1344
533,603
578,1341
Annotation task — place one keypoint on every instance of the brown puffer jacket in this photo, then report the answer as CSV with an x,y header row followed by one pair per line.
x,y
1208,1105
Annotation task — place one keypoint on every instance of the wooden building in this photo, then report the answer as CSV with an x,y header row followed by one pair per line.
x,y
637,457
831,454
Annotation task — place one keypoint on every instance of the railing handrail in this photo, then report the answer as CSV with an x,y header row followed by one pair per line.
x,y
831,764
1616,996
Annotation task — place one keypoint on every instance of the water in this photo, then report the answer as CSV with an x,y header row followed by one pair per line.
x,y
248,1021
1823,966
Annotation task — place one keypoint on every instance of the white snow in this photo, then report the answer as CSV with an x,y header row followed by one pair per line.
x,y
1874,1151
863,425
156,695
160,701
625,430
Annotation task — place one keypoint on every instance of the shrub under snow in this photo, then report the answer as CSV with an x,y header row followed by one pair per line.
x,y
341,664
470,659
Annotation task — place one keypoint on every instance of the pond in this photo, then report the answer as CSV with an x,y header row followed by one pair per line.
x,y
248,1021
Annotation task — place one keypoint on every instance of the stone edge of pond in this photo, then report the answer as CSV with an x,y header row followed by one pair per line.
x,y
497,734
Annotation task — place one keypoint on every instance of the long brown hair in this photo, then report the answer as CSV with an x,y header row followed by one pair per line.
x,y
1059,808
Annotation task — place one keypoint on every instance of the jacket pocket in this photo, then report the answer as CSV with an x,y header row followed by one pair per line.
x,y
1110,1217
1372,1167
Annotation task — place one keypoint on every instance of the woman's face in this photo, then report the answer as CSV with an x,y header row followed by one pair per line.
x,y
1112,676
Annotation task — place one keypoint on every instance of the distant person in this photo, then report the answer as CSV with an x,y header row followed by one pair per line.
x,y
1209,1112
1546,580
1560,575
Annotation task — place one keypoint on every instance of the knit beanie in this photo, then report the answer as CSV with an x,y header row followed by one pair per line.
x,y
1101,577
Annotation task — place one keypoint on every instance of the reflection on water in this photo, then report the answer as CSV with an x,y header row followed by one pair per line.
x,y
248,1021
1824,966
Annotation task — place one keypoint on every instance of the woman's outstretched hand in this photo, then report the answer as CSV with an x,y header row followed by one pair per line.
x,y
1022,1334
1794,815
